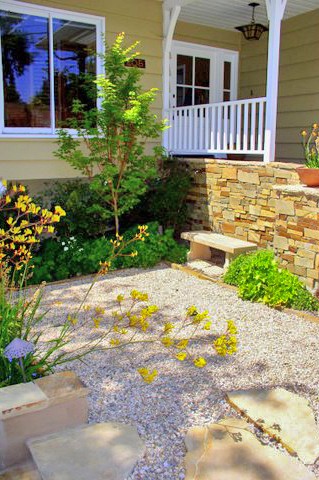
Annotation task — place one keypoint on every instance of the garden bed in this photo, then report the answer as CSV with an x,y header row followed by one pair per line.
x,y
276,348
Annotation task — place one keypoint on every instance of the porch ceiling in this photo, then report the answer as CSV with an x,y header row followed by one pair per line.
x,y
228,14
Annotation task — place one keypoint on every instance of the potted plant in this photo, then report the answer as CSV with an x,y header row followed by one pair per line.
x,y
309,174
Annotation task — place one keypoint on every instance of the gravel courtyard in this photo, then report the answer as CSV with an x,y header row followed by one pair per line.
x,y
274,349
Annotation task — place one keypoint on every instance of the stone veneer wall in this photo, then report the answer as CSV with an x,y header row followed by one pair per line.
x,y
264,204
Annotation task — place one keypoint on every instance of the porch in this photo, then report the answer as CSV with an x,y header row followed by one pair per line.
x,y
225,125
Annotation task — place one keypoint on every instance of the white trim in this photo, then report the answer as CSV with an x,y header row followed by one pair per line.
x,y
217,57
49,13
275,11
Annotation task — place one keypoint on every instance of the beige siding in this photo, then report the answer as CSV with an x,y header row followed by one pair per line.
x,y
214,37
298,84
32,158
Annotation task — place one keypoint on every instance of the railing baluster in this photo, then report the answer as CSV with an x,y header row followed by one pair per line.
x,y
261,126
225,135
207,121
219,126
232,127
196,129
213,128
246,125
253,127
238,132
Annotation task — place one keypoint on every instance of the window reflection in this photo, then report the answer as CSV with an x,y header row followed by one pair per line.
x,y
25,64
74,46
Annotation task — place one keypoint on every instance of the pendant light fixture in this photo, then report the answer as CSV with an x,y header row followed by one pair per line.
x,y
253,30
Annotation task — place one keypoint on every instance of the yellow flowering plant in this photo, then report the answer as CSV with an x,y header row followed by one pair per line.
x,y
25,354
310,142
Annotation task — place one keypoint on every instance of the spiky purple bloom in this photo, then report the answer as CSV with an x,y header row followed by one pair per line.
x,y
3,189
18,348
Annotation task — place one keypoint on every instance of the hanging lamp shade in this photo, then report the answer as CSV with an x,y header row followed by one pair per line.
x,y
253,30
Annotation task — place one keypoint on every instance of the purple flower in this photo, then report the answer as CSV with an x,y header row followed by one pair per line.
x,y
3,189
18,348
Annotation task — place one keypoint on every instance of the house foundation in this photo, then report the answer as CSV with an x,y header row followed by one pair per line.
x,y
261,203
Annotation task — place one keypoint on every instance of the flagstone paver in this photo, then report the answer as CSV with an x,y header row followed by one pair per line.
x,y
283,415
229,451
99,452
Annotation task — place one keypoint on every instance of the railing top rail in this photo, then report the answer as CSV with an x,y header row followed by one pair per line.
x,y
220,104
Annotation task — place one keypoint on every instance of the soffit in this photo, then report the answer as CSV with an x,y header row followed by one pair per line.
x,y
228,14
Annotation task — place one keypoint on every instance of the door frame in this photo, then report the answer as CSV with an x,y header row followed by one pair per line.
x,y
217,56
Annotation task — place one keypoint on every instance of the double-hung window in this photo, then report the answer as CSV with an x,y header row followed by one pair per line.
x,y
45,56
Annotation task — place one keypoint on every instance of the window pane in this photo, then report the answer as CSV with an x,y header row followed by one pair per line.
x,y
25,63
201,96
202,66
184,97
227,75
184,70
74,48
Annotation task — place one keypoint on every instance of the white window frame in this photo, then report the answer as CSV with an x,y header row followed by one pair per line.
x,y
217,58
49,13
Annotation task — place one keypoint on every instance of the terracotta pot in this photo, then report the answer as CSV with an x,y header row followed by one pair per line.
x,y
309,176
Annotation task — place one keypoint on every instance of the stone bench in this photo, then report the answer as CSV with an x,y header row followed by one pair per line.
x,y
202,241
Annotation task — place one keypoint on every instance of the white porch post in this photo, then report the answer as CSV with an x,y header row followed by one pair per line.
x,y
170,16
275,10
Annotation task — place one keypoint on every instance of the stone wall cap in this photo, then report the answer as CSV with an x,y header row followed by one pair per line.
x,y
297,189
61,385
22,398
240,163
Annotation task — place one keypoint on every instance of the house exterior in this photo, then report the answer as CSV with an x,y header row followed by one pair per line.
x,y
191,41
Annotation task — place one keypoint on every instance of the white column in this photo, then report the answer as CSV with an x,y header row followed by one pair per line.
x,y
275,10
170,16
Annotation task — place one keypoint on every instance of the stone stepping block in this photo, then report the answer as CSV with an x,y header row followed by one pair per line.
x,y
229,451
90,452
285,416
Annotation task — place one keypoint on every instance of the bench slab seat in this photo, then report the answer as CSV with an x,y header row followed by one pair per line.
x,y
202,241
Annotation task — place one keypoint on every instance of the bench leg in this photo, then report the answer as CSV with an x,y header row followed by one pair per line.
x,y
228,258
198,252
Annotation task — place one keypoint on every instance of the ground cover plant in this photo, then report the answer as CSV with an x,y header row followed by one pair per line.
x,y
60,258
260,278
24,355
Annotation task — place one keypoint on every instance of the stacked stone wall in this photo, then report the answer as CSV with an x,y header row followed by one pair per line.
x,y
264,204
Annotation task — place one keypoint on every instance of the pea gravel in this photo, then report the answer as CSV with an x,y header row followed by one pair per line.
x,y
275,349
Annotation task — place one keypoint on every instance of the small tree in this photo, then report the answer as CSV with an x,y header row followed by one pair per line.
x,y
110,147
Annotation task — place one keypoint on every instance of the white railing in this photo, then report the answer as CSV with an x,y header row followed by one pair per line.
x,y
226,127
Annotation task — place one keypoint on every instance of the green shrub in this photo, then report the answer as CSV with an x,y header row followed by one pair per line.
x,y
64,258
260,279
88,215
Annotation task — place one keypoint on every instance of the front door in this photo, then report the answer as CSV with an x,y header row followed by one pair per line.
x,y
201,75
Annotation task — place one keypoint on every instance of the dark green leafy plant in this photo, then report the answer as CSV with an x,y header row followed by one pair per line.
x,y
88,215
110,147
260,279
64,258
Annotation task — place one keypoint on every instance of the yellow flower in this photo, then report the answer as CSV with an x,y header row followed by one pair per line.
x,y
304,133
96,322
182,344
147,376
167,342
59,211
200,362
120,298
168,327
181,356
50,229
86,308
8,199
99,310
114,342
136,295
72,320
10,221
191,311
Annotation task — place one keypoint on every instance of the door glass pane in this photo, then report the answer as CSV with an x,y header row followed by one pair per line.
x,y
25,63
74,45
201,96
184,97
202,66
227,75
184,74
226,97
